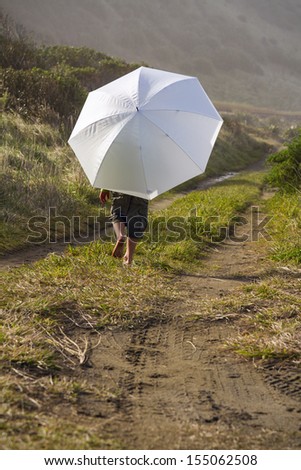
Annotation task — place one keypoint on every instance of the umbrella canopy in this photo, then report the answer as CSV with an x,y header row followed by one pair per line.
x,y
145,132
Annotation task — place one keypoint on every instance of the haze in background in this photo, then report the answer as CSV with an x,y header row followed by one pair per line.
x,y
245,51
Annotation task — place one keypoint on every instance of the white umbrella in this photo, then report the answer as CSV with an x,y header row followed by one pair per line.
x,y
145,132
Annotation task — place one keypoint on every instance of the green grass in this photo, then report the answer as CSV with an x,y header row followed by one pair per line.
x,y
267,318
38,171
50,309
286,227
46,305
178,234
88,281
272,326
30,424
269,311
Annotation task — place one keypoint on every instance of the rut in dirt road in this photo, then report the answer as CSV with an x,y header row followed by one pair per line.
x,y
174,386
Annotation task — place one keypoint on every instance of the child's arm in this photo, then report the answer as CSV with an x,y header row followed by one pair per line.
x,y
104,195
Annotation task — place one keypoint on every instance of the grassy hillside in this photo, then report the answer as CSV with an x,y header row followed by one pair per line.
x,y
43,91
242,51
39,171
50,308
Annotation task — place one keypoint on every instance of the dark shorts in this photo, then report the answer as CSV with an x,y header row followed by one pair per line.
x,y
132,211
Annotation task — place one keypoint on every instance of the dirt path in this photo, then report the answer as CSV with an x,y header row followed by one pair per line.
x,y
30,254
177,388
33,253
174,385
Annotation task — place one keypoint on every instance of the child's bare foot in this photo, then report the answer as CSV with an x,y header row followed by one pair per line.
x,y
119,248
126,260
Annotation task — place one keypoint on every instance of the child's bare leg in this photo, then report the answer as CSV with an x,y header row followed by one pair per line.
x,y
119,229
130,250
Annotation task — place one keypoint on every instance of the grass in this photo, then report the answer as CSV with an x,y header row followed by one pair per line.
x,y
31,424
286,227
277,324
38,171
179,234
269,311
51,307
50,310
272,321
267,317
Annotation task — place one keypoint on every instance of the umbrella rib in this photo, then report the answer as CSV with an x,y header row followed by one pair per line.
x,y
157,92
142,163
181,111
158,127
140,148
103,119
185,79
120,99
107,151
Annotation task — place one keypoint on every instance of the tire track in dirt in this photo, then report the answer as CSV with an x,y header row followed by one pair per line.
x,y
174,386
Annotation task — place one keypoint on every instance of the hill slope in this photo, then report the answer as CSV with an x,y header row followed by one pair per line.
x,y
242,51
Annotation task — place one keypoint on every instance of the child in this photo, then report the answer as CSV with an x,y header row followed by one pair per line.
x,y
127,212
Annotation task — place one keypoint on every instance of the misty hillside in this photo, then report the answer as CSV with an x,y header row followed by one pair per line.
x,y
242,50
